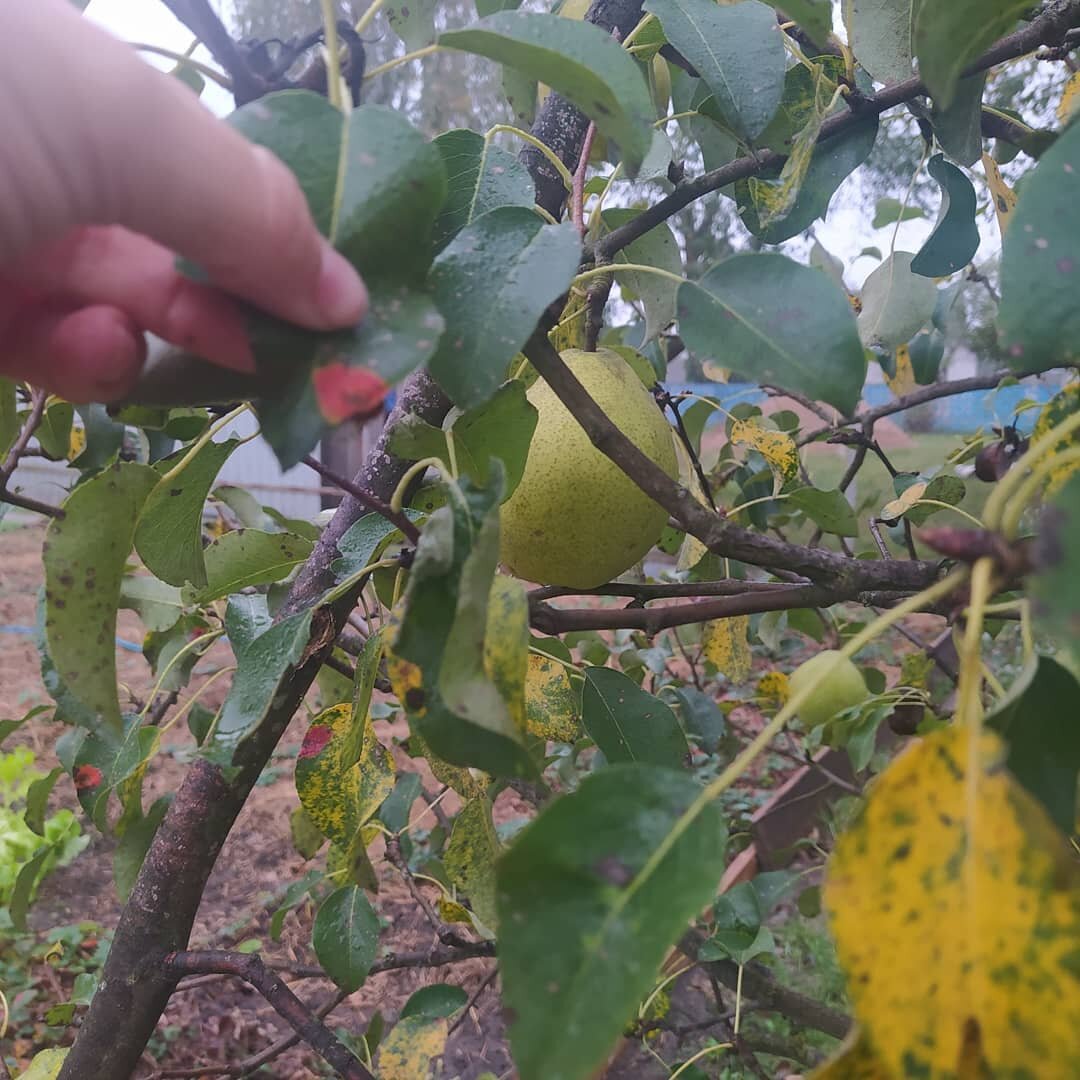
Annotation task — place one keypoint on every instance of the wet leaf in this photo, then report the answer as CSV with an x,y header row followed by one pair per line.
x,y
435,1001
629,724
737,53
779,450
813,16
1039,318
345,937
480,176
492,284
779,322
470,858
361,543
974,901
578,60
727,646
590,897
84,556
955,239
133,845
879,32
246,557
500,428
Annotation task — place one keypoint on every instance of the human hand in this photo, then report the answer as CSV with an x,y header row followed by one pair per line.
x,y
109,168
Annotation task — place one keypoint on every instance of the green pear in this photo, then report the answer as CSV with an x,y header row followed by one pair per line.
x,y
576,518
841,688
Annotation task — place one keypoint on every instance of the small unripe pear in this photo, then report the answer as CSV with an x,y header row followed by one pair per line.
x,y
576,518
840,689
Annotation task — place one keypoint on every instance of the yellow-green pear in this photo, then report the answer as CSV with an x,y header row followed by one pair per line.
x,y
576,518
840,689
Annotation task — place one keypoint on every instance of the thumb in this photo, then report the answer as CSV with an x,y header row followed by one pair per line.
x,y
144,153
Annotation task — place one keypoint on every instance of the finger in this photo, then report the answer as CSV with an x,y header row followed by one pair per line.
x,y
87,354
150,157
109,265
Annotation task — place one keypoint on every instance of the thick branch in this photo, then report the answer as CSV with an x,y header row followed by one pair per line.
x,y
1049,28
284,1002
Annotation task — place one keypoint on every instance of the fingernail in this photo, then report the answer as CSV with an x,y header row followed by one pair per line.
x,y
341,296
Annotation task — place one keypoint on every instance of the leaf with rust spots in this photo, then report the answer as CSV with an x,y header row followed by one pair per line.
x,y
470,858
974,902
245,557
727,645
85,555
46,1065
407,1052
551,706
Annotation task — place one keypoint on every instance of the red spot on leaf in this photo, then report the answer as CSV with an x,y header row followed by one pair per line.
x,y
86,777
315,741
344,391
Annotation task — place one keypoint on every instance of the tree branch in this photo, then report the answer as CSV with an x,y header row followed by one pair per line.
x,y
284,1002
1049,28
373,502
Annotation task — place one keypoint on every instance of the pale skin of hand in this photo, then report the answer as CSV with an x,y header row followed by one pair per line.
x,y
108,170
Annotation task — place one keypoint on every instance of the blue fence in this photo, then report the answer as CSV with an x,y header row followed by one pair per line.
x,y
956,414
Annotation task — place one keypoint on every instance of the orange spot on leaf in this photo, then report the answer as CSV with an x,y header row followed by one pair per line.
x,y
343,391
86,777
315,741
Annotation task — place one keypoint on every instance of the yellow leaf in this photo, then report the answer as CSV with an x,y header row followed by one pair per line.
x,y
506,643
470,857
550,702
773,688
903,382
45,1066
779,450
450,911
897,508
1070,98
1059,408
76,442
569,332
1004,197
715,372
955,907
855,1060
406,1053
727,645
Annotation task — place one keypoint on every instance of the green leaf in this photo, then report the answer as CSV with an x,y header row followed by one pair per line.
x,y
813,16
345,937
926,350
1055,589
134,844
437,669
629,724
955,238
656,248
943,488
394,812
831,163
84,555
1039,318
1039,720
778,322
480,176
247,557
736,51
887,211
830,510
501,428
701,717
879,32
158,605
9,416
576,59
948,37
37,800
739,915
896,304
959,127
169,534
361,542
54,432
435,1002
265,657
413,22
499,273
470,858
590,897
104,760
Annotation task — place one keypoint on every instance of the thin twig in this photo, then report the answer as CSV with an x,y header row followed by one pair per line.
x,y
444,933
577,195
285,1003
487,980
19,450
672,402
373,502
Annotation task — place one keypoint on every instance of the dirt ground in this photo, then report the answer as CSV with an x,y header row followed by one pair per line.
x,y
225,1022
